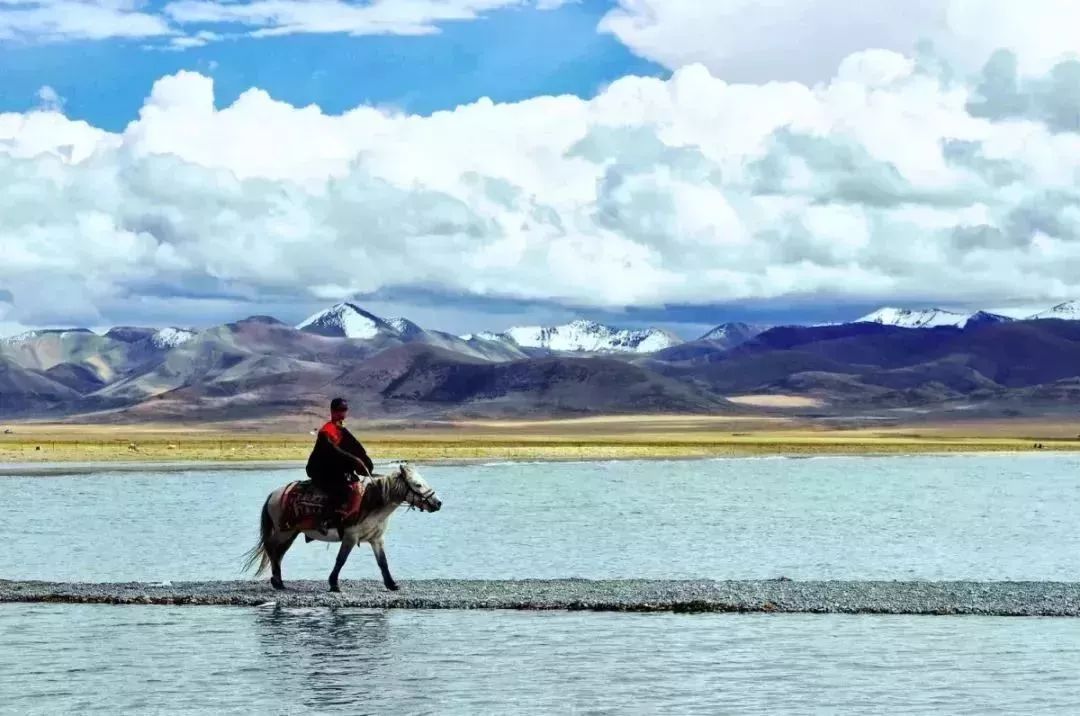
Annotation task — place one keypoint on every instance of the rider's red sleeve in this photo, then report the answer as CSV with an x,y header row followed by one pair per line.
x,y
332,432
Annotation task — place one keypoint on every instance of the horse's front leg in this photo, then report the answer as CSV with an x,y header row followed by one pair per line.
x,y
342,555
380,557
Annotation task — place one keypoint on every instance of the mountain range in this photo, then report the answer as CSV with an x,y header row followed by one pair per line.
x,y
890,360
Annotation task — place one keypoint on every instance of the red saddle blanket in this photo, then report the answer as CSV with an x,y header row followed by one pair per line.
x,y
303,505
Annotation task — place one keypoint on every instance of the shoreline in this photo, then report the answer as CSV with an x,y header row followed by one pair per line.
x,y
611,438
72,468
775,596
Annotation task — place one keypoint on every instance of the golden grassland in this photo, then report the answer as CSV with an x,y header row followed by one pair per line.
x,y
613,437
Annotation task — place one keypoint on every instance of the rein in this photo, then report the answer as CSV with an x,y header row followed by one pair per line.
x,y
389,480
410,490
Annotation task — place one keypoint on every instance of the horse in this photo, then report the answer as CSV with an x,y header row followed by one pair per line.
x,y
382,495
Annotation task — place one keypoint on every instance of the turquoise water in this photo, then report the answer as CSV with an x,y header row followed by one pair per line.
x,y
211,660
951,517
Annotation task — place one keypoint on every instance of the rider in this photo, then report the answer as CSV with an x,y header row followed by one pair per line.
x,y
336,455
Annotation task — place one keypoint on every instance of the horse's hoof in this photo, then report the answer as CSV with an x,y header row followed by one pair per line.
x,y
277,584
393,587
335,588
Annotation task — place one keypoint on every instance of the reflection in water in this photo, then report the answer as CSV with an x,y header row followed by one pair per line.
x,y
325,657
61,658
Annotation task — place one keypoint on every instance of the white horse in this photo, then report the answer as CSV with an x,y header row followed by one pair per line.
x,y
382,496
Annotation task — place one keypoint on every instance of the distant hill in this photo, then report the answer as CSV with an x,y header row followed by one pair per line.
x,y
261,367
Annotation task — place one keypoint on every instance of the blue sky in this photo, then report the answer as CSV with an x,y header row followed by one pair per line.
x,y
508,55
660,162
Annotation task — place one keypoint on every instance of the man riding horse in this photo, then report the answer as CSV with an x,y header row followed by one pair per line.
x,y
334,459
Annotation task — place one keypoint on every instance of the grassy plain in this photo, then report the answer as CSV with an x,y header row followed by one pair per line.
x,y
640,436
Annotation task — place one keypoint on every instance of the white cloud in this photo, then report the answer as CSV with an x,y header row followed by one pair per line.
x,y
188,24
270,18
805,40
378,17
187,42
49,100
887,183
59,20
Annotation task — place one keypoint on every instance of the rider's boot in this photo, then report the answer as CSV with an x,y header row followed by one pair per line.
x,y
326,522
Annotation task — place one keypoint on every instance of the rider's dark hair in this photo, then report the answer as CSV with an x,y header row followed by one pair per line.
x,y
339,404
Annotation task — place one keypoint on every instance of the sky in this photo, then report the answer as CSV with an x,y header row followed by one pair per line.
x,y
477,164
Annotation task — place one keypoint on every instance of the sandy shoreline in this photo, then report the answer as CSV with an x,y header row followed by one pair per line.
x,y
57,469
60,469
612,438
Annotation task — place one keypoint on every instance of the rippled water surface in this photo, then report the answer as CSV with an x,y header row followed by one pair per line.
x,y
952,517
977,517
213,660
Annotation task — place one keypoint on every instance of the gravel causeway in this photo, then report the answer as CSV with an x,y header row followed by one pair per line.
x,y
775,596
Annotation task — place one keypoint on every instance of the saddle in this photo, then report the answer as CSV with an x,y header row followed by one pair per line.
x,y
303,504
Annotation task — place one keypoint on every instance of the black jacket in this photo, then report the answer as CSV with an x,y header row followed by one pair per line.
x,y
335,453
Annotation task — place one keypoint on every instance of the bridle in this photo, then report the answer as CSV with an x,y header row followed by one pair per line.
x,y
424,496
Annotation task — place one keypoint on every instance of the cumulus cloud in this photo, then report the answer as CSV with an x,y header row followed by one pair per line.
x,y
890,182
806,40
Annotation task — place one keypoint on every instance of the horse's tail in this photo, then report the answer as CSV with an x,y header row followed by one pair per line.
x,y
258,554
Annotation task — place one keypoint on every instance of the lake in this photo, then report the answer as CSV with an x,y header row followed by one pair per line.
x,y
988,517
217,660
983,517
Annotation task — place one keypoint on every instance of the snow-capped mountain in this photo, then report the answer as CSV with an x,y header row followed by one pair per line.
x,y
930,318
60,333
1068,311
982,318
915,318
484,336
405,327
347,320
166,338
586,336
729,335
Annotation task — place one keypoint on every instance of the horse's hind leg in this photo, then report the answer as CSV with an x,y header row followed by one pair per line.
x,y
276,551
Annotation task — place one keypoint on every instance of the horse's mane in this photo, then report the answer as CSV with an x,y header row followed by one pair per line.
x,y
379,491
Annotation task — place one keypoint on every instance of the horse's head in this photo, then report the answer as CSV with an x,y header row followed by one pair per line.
x,y
418,493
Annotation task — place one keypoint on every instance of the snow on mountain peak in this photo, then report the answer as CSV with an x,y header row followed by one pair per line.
x,y
61,333
590,336
405,327
483,336
21,337
729,335
909,318
985,317
345,320
171,337
1068,311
